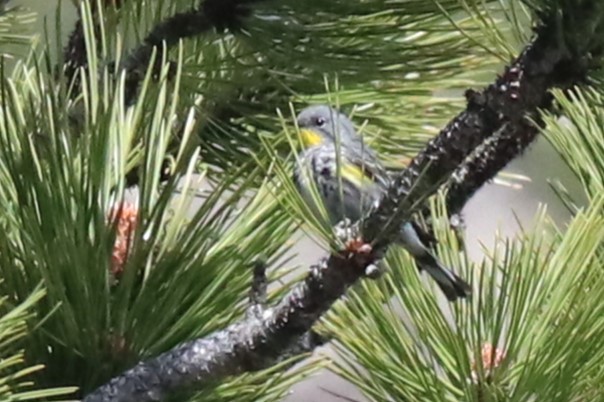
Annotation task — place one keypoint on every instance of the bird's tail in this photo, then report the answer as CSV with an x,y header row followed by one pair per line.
x,y
452,285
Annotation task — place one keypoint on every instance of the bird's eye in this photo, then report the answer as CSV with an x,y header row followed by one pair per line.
x,y
320,121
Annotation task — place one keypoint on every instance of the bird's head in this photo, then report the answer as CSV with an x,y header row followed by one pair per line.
x,y
322,124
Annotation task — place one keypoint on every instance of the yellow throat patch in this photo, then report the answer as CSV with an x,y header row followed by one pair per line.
x,y
310,138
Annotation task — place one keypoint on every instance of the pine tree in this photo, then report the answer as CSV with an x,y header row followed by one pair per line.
x,y
116,271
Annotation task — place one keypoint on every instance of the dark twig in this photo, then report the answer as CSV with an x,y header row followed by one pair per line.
x,y
257,310
489,159
210,14
259,285
74,53
338,395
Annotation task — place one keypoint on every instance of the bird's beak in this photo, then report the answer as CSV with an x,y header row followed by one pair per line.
x,y
310,138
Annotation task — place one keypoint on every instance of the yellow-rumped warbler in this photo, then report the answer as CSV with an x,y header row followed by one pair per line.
x,y
350,180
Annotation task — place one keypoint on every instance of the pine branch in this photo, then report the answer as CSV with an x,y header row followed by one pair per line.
x,y
208,15
552,61
495,127
516,95
263,338
256,342
74,53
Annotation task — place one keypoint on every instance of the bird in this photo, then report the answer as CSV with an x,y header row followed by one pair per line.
x,y
350,180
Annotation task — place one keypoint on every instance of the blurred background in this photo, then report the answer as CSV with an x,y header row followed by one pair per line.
x,y
496,209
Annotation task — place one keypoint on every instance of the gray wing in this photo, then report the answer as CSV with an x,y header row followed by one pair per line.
x,y
373,185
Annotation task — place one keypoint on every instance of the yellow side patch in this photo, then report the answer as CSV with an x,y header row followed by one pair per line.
x,y
310,138
355,175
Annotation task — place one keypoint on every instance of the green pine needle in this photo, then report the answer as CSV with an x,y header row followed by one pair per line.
x,y
535,300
